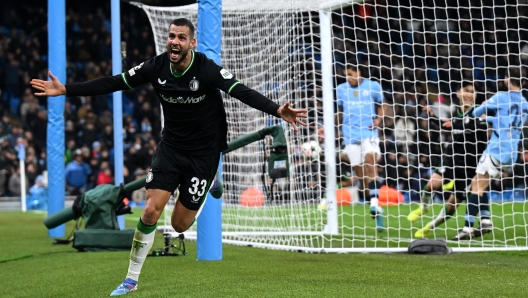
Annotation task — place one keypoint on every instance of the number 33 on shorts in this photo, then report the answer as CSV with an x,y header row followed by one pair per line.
x,y
197,188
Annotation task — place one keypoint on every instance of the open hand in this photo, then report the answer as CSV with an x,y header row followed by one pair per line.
x,y
48,88
290,115
447,124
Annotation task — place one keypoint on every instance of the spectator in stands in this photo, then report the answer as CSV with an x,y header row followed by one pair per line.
x,y
39,128
96,150
31,172
14,185
105,174
77,173
16,133
37,188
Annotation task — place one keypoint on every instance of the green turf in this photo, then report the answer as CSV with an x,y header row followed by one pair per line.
x,y
358,229
31,267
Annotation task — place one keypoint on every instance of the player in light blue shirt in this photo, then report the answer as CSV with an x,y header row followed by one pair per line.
x,y
360,111
507,113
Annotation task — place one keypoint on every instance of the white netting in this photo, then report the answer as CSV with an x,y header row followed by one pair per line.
x,y
419,54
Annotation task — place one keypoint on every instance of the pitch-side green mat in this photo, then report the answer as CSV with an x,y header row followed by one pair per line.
x,y
30,266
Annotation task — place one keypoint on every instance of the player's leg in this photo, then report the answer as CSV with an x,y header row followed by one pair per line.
x,y
353,153
435,182
200,173
161,181
143,238
485,226
460,181
371,153
445,214
487,168
362,158
363,192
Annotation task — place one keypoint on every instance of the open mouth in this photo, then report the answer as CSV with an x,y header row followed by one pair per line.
x,y
175,53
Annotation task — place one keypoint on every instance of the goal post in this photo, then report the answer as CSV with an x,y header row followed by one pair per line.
x,y
209,224
296,51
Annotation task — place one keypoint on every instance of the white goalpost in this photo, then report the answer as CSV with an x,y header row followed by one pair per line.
x,y
296,51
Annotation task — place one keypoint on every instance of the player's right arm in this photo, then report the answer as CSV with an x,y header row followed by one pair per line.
x,y
340,102
226,81
434,122
489,105
127,80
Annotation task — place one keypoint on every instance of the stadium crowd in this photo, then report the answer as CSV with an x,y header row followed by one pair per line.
x,y
420,56
417,64
89,130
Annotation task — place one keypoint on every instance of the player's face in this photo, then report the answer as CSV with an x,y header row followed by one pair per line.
x,y
352,76
179,43
467,95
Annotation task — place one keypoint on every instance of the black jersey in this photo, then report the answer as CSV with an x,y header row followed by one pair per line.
x,y
470,137
194,115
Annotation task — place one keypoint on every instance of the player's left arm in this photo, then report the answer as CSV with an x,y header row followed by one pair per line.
x,y
379,105
226,82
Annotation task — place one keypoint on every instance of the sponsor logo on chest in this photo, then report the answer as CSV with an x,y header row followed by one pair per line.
x,y
183,100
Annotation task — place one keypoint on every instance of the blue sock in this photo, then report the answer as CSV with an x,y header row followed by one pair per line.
x,y
472,209
484,207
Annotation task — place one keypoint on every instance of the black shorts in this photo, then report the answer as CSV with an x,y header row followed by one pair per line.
x,y
192,174
460,173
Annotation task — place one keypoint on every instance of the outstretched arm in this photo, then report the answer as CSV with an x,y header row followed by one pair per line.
x,y
99,86
260,102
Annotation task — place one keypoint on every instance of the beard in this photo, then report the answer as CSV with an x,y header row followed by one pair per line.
x,y
180,57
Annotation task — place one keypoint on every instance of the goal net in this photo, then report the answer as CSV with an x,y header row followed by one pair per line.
x,y
297,51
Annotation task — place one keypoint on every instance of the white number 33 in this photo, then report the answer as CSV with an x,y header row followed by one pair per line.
x,y
197,187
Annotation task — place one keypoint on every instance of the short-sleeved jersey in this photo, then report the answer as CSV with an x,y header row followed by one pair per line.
x,y
359,109
195,119
506,112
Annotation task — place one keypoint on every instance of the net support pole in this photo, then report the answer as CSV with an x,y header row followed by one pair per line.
x,y
55,130
209,36
117,100
325,23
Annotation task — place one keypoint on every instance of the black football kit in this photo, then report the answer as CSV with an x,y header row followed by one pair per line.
x,y
470,138
195,127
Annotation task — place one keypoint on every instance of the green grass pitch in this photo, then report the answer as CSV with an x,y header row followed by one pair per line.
x,y
30,266
358,229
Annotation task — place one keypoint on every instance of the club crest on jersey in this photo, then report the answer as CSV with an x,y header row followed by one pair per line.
x,y
194,84
365,93
226,74
149,178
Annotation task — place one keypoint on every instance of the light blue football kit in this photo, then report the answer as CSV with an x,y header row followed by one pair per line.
x,y
359,109
506,112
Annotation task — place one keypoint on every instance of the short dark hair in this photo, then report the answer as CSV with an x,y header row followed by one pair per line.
x,y
357,65
515,75
466,83
184,22
352,63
